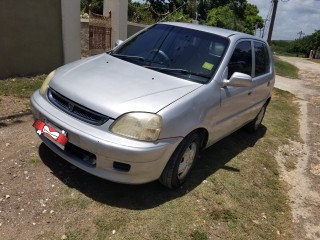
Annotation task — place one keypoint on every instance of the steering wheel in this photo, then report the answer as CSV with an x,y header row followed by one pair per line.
x,y
163,57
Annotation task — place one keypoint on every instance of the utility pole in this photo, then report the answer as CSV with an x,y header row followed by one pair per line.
x,y
273,17
300,34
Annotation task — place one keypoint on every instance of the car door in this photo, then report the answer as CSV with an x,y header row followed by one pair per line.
x,y
236,102
263,77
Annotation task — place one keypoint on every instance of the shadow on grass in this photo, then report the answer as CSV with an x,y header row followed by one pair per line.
x,y
153,194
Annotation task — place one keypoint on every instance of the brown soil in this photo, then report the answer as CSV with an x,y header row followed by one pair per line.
x,y
304,178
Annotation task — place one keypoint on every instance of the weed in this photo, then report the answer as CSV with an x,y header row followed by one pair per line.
x,y
197,235
73,199
34,160
21,87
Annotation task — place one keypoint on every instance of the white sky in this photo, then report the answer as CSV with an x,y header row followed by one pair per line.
x,y
292,17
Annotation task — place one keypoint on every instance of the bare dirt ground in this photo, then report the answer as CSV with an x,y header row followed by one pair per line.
x,y
304,178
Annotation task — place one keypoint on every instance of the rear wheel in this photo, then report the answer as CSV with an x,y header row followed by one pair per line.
x,y
181,162
254,125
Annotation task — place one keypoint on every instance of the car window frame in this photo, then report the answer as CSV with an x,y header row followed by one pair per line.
x,y
254,58
252,54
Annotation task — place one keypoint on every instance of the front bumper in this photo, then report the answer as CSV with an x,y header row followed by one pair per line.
x,y
117,159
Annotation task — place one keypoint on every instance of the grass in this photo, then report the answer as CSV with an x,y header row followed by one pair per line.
x,y
280,47
314,60
34,160
234,192
21,86
285,69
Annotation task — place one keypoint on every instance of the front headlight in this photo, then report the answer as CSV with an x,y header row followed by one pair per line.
x,y
138,125
45,84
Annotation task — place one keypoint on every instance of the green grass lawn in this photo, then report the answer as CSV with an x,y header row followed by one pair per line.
x,y
234,191
285,69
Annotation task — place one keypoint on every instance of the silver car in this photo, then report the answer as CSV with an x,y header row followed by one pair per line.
x,y
144,110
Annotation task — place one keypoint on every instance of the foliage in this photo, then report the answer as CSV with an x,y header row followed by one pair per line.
x,y
285,69
237,15
139,13
298,47
306,44
97,6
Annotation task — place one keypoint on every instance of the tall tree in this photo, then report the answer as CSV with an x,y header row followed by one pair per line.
x,y
236,15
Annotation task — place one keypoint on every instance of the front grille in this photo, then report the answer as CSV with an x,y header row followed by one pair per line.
x,y
76,110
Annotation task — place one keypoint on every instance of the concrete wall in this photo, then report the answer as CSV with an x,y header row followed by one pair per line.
x,y
119,18
134,28
70,13
32,33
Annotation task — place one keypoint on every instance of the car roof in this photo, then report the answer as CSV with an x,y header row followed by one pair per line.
x,y
215,30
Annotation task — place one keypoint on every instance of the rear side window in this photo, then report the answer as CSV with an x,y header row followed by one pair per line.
x,y
241,60
262,59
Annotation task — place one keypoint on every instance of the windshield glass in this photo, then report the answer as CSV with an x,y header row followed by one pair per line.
x,y
182,52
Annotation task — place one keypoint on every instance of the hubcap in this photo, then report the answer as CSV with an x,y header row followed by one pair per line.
x,y
187,160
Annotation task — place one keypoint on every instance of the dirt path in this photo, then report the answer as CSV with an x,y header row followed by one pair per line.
x,y
304,179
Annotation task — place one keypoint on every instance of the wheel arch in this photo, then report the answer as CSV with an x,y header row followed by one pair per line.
x,y
204,134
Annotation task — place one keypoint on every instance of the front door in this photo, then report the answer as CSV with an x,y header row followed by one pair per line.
x,y
236,102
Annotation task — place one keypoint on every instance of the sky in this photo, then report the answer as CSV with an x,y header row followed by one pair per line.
x,y
292,17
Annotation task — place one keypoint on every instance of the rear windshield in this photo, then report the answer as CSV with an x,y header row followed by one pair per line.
x,y
186,53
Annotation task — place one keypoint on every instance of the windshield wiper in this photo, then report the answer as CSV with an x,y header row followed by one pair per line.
x,y
128,57
178,70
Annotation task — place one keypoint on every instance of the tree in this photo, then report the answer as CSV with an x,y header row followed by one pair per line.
x,y
306,44
97,6
232,14
139,13
236,15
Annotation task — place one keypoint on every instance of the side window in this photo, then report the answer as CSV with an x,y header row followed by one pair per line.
x,y
241,60
262,59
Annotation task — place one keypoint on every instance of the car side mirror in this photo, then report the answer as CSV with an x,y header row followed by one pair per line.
x,y
118,42
238,80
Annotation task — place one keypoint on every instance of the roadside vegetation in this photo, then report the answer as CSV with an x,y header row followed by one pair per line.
x,y
234,191
285,69
315,60
299,47
21,87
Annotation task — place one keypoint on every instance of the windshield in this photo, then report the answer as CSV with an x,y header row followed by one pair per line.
x,y
182,52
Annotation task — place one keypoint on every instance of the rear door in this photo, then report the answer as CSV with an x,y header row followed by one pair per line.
x,y
262,75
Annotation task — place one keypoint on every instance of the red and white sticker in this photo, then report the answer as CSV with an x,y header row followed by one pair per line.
x,y
50,132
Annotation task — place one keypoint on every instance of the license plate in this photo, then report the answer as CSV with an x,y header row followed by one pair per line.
x,y
59,137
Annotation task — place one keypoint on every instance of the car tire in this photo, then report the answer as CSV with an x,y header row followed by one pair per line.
x,y
255,123
181,162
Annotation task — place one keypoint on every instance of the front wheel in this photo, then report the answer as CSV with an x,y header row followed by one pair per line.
x,y
181,162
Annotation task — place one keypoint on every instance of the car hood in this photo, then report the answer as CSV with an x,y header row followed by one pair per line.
x,y
112,86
